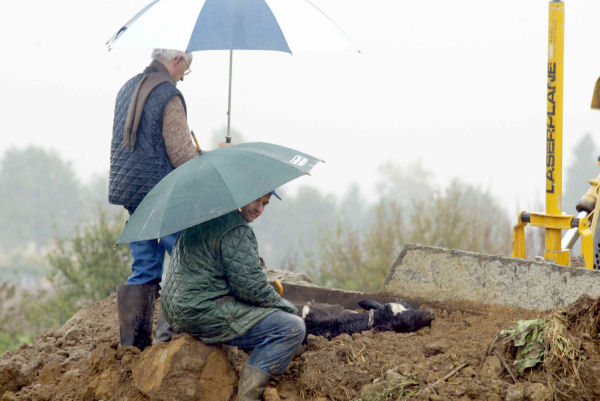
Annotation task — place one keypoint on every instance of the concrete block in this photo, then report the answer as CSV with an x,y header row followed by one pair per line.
x,y
438,274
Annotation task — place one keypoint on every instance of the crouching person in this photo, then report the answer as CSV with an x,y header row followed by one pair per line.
x,y
216,291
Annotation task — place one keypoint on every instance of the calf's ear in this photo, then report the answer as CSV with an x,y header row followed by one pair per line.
x,y
368,304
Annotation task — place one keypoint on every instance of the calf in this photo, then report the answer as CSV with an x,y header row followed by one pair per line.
x,y
330,321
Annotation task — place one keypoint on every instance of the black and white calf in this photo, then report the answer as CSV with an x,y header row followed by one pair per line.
x,y
332,320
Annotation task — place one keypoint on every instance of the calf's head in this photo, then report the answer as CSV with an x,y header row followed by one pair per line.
x,y
396,316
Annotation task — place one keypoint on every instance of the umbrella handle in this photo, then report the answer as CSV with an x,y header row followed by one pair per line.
x,y
196,141
278,287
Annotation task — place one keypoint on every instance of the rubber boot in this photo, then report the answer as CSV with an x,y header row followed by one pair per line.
x,y
252,383
135,303
164,331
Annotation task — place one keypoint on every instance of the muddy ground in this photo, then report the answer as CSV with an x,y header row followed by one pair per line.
x,y
83,360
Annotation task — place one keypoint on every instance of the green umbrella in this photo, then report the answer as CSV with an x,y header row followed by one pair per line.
x,y
213,184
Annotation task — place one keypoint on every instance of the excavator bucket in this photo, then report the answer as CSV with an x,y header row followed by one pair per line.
x,y
439,274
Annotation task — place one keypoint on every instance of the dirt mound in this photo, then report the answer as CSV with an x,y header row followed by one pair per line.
x,y
562,348
79,361
397,365
83,361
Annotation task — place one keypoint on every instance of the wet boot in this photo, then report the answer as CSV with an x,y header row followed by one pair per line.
x,y
164,331
135,303
252,383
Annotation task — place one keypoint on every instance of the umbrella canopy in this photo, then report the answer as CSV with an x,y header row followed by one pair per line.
x,y
190,25
213,184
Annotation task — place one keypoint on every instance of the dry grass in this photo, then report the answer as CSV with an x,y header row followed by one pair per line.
x,y
403,388
561,358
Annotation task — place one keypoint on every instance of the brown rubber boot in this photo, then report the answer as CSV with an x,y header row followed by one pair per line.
x,y
135,304
252,383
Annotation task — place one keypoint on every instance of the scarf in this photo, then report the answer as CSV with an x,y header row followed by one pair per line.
x,y
155,74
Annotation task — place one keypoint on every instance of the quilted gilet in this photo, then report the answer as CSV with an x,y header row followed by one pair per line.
x,y
214,287
133,173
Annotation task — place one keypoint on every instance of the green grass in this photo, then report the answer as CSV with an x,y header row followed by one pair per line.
x,y
10,342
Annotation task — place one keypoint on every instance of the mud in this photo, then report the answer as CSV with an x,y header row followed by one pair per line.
x,y
82,361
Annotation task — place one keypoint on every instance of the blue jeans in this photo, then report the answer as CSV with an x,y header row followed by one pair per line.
x,y
274,341
148,257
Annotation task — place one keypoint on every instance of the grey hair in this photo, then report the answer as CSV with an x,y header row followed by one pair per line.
x,y
167,55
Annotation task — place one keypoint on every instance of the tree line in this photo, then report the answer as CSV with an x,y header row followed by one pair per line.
x,y
57,233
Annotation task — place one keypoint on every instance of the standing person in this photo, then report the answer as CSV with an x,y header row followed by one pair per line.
x,y
216,290
150,138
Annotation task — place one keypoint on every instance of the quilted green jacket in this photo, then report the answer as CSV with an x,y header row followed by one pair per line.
x,y
215,288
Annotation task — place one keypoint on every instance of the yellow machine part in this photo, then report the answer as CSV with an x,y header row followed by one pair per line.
x,y
554,113
554,221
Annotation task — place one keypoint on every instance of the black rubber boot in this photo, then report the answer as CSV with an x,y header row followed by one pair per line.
x,y
164,331
252,383
135,303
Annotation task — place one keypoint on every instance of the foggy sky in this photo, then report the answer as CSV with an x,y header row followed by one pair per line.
x,y
460,86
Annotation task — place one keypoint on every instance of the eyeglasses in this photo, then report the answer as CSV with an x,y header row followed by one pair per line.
x,y
188,70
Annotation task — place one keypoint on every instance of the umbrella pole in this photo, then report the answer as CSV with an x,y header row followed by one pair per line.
x,y
228,137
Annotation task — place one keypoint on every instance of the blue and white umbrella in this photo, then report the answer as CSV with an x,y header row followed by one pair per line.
x,y
191,25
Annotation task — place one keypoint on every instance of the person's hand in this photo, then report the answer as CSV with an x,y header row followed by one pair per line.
x,y
226,144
